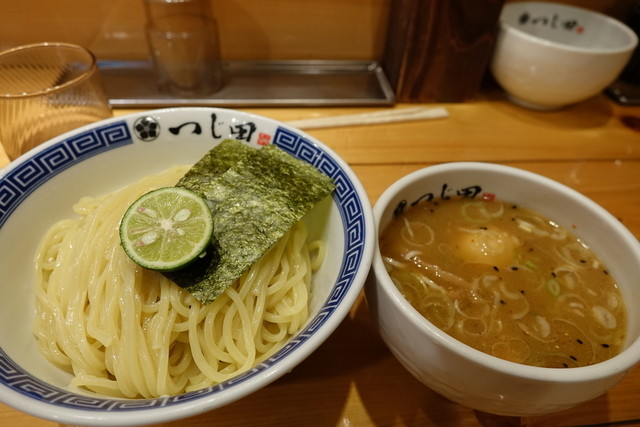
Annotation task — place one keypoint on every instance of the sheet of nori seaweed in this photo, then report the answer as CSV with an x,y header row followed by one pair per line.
x,y
254,203
220,158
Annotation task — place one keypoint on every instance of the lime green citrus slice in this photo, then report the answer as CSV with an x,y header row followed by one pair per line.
x,y
166,229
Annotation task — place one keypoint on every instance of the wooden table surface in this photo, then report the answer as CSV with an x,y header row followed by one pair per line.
x,y
352,379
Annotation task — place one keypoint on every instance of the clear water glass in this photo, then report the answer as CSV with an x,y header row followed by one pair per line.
x,y
184,46
47,89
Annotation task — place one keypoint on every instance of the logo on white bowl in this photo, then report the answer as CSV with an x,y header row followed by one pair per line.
x,y
554,22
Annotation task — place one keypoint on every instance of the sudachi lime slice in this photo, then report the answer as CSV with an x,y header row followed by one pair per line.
x,y
166,229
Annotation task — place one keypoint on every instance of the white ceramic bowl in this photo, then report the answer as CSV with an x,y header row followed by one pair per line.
x,y
468,376
549,55
40,187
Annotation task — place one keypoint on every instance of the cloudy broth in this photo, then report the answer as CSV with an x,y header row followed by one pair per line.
x,y
506,281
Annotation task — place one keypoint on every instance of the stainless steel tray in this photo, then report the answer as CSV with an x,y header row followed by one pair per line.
x,y
258,83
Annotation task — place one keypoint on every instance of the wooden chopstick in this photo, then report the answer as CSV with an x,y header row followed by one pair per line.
x,y
384,116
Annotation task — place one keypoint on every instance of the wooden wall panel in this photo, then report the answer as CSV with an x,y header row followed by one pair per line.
x,y
250,29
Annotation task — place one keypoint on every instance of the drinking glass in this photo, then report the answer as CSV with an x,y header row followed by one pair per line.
x,y
184,46
47,89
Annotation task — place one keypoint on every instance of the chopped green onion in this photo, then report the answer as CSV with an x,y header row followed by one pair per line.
x,y
554,287
478,206
525,226
532,265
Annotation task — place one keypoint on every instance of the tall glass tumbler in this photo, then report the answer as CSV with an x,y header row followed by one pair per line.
x,y
47,89
184,46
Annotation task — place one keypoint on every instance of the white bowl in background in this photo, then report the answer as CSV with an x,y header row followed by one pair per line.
x,y
550,55
473,378
40,188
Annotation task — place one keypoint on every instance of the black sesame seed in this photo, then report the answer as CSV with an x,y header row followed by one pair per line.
x,y
573,358
564,365
495,268
553,274
605,272
514,268
579,341
605,345
502,302
522,291
484,228
583,261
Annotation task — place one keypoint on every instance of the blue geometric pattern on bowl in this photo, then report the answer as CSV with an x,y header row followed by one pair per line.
x,y
23,180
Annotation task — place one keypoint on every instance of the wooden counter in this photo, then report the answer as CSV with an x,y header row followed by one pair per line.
x,y
352,379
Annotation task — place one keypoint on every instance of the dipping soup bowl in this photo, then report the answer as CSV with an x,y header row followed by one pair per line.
x,y
476,379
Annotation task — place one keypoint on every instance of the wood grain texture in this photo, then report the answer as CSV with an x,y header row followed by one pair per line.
x,y
249,29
